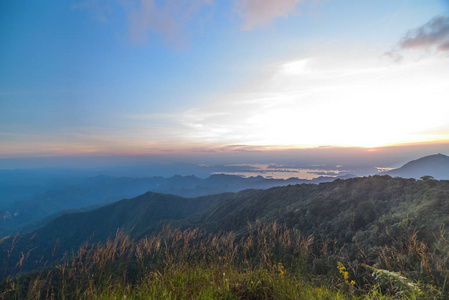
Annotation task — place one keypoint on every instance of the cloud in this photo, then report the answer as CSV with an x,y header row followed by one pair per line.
x,y
173,20
99,10
168,18
330,99
242,148
257,13
433,34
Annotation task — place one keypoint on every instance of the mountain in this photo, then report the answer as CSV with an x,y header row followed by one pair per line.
x,y
436,165
367,210
70,231
364,207
24,208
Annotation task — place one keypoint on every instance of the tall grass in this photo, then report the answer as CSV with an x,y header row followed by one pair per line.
x,y
423,268
267,262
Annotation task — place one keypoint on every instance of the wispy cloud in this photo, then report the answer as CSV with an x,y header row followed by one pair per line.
x,y
174,20
432,37
98,8
242,148
329,100
168,18
257,13
433,34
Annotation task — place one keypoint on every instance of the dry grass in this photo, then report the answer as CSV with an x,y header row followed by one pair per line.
x,y
268,262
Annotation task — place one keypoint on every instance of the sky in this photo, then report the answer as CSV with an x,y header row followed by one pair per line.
x,y
194,77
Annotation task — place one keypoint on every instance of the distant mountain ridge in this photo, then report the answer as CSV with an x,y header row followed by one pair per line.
x,y
20,207
367,209
101,190
436,165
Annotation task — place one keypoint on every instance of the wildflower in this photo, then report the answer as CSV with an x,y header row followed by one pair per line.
x,y
345,273
281,270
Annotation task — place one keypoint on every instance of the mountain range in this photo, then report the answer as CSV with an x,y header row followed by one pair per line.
x,y
233,202
365,210
379,236
38,204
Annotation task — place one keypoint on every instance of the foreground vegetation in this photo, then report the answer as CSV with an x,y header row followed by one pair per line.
x,y
268,261
355,214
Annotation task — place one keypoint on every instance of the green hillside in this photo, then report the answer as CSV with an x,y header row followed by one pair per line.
x,y
68,232
359,207
372,237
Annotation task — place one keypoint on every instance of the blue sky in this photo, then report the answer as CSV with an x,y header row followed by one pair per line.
x,y
136,77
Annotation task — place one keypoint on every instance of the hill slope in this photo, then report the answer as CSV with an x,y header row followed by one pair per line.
x,y
367,210
71,230
436,165
339,209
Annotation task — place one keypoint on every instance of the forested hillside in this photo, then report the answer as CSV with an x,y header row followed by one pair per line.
x,y
360,207
370,225
69,231
32,198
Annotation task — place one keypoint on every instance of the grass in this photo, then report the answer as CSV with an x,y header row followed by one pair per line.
x,y
268,262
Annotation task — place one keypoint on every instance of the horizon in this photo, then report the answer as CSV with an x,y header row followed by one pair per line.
x,y
99,83
309,165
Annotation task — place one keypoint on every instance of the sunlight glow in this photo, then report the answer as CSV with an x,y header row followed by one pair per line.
x,y
308,103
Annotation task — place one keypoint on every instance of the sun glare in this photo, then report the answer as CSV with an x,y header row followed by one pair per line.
x,y
307,103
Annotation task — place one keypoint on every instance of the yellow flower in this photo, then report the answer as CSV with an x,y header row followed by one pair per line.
x,y
281,270
345,273
340,266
